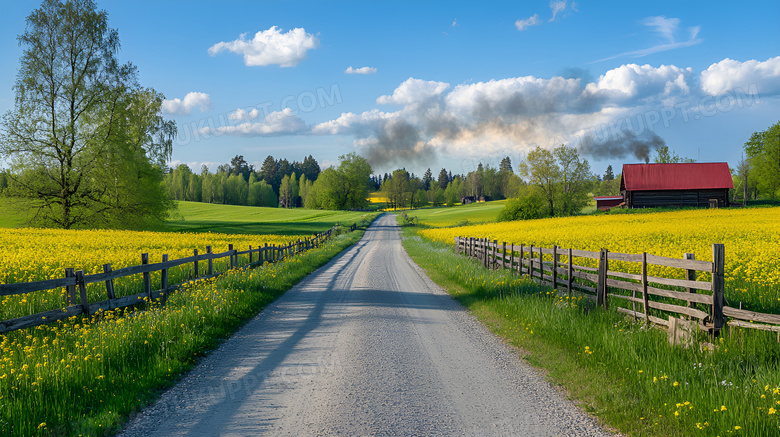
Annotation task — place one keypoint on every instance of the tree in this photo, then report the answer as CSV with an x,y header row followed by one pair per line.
x,y
541,170
343,188
609,175
85,140
310,168
506,165
576,180
269,169
444,180
260,193
427,178
763,151
239,166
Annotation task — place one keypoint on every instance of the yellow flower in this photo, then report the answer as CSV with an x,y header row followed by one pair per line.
x,y
42,425
722,408
772,411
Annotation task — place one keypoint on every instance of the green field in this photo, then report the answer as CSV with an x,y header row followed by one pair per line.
x,y
473,213
233,219
227,219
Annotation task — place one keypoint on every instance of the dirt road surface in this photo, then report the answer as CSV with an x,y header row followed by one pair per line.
x,y
367,345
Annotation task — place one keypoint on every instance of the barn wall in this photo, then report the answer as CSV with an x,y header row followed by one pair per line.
x,y
700,198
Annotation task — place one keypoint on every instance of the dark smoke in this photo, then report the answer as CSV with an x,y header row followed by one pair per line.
x,y
629,144
397,142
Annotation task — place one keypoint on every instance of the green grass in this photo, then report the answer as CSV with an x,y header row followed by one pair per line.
x,y
472,213
228,219
234,219
623,373
13,214
85,376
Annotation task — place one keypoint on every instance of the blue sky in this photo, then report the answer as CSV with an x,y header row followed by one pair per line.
x,y
449,83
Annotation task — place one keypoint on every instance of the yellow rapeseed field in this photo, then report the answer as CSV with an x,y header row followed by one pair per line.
x,y
39,254
751,238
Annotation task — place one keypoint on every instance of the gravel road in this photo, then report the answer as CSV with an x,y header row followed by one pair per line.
x,y
367,345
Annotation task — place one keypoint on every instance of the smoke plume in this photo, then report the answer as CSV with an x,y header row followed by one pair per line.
x,y
629,144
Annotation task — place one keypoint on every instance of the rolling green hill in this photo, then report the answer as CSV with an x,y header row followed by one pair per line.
x,y
229,219
450,216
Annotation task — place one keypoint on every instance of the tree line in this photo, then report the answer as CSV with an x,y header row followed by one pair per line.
x,y
276,182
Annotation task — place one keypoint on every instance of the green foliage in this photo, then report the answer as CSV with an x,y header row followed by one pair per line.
x,y
343,188
564,178
528,207
763,150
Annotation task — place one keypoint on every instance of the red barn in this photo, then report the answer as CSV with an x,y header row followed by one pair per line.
x,y
605,203
684,184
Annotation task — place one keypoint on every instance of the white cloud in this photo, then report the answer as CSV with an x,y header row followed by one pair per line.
x,y
414,91
184,107
454,23
283,122
667,28
241,114
361,70
557,7
269,47
728,75
634,81
350,123
533,20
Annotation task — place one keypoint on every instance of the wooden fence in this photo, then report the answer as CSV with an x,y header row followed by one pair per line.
x,y
75,282
702,301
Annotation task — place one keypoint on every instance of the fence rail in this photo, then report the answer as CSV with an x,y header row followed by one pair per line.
x,y
75,282
703,301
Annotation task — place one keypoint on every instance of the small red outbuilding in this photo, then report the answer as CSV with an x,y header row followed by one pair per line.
x,y
605,203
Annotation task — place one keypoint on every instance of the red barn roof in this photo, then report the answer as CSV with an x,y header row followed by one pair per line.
x,y
683,176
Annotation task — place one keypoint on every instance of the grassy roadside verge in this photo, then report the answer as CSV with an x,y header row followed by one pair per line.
x,y
626,375
84,377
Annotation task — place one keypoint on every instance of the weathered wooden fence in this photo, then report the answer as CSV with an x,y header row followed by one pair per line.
x,y
703,301
75,282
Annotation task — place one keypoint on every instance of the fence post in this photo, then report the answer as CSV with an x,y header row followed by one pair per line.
x,y
494,250
70,289
645,299
503,255
531,262
541,266
164,280
265,253
522,260
718,263
601,282
197,270
570,274
691,276
147,276
82,292
250,254
109,283
232,261
512,258
211,261
555,266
